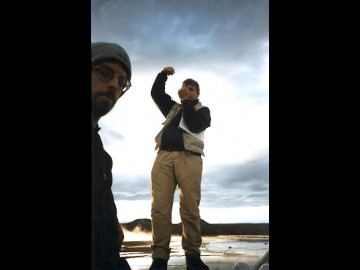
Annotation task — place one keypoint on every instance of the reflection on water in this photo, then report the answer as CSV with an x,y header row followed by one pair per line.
x,y
219,252
238,245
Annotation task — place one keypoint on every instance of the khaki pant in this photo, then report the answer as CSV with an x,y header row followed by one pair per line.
x,y
185,170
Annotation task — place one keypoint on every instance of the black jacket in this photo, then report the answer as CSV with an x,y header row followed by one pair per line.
x,y
197,121
105,236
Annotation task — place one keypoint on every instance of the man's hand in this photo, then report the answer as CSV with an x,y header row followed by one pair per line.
x,y
183,93
121,236
168,70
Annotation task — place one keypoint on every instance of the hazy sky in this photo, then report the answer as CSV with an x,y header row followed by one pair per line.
x,y
224,45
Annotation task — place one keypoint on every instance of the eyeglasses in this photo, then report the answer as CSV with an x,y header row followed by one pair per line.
x,y
106,74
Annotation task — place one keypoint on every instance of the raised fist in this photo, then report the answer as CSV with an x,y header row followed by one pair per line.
x,y
168,70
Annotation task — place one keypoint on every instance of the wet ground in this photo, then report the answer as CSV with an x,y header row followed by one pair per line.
x,y
218,252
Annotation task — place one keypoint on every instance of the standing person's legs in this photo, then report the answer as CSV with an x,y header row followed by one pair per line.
x,y
188,172
163,188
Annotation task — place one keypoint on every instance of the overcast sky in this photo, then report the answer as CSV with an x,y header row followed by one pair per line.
x,y
224,46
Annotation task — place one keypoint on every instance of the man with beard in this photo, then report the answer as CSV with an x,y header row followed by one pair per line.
x,y
110,79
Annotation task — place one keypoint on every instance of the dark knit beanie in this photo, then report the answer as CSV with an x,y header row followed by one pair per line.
x,y
110,52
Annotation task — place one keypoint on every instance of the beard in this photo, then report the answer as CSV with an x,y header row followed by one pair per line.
x,y
102,104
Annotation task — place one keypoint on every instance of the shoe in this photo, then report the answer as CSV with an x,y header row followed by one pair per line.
x,y
158,264
193,262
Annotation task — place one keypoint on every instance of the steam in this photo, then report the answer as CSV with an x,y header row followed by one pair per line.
x,y
137,234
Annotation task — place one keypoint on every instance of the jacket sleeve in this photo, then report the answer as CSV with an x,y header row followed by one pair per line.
x,y
196,121
162,100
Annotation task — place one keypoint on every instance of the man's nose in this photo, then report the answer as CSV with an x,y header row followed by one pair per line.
x,y
114,82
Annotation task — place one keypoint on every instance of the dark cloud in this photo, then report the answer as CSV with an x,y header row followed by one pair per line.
x,y
240,175
237,184
134,185
201,32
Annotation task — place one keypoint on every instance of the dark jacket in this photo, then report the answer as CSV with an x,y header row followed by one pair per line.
x,y
197,121
105,236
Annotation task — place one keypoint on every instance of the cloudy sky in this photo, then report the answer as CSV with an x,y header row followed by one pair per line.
x,y
224,45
